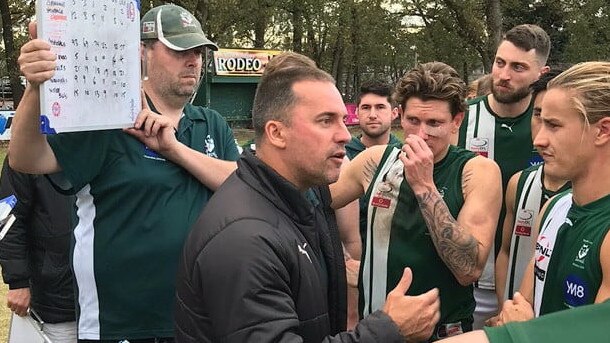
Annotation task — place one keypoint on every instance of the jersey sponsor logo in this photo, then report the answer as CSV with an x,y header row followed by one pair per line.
x,y
576,291
303,251
379,201
579,260
535,160
539,272
152,155
543,249
450,329
209,147
479,146
525,220
508,127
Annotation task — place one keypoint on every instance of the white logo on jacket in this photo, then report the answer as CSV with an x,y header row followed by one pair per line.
x,y
303,251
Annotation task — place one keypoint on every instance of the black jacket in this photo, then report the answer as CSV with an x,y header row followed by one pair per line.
x,y
35,252
263,265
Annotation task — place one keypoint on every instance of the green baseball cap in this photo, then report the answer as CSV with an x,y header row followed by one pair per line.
x,y
175,27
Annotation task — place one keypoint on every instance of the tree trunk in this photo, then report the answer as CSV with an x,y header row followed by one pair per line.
x,y
260,27
353,80
336,66
494,29
297,27
203,7
10,53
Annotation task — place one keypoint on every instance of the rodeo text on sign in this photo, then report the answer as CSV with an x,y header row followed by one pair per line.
x,y
237,62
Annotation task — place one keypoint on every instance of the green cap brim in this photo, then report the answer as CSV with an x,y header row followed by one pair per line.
x,y
188,41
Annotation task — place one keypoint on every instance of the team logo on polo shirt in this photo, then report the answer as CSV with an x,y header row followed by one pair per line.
x,y
152,155
209,147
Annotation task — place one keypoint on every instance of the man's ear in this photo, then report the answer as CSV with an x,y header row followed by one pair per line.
x,y
603,135
394,113
275,132
544,70
399,111
457,121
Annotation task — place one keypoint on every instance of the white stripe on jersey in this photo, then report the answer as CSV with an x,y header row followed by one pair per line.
x,y
378,240
83,263
532,188
548,233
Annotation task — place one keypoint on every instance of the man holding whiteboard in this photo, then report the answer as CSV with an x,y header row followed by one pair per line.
x,y
136,197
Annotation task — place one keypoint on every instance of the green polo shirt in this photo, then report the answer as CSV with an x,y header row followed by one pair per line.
x,y
584,324
134,210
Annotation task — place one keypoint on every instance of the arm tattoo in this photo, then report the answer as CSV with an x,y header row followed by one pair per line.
x,y
456,247
370,167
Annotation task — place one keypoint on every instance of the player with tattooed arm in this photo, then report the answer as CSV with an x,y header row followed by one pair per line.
x,y
432,206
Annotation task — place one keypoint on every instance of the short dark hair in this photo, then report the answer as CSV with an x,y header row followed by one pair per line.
x,y
540,85
377,87
432,81
275,96
527,37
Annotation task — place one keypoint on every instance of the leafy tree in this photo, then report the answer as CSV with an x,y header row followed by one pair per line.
x,y
15,17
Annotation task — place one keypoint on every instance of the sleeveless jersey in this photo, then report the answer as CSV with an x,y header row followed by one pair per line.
x,y
508,141
396,236
530,197
574,275
352,149
552,221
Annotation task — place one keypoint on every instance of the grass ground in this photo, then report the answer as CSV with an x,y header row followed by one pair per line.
x,y
242,136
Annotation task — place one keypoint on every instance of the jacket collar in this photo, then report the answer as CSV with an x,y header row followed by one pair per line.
x,y
280,192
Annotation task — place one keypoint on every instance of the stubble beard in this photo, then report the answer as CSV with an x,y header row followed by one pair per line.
x,y
175,90
374,134
511,97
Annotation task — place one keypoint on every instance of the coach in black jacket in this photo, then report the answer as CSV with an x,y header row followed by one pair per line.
x,y
35,253
261,264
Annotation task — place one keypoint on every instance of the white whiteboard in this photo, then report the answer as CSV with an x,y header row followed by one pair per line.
x,y
96,84
25,330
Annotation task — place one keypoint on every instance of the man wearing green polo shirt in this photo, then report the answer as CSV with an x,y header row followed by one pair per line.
x,y
583,324
136,197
